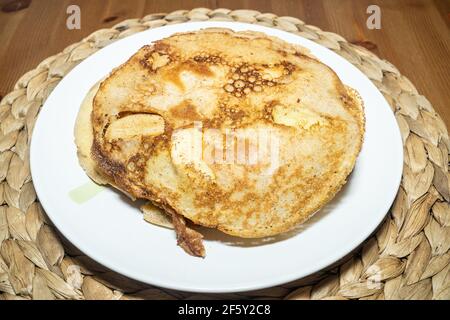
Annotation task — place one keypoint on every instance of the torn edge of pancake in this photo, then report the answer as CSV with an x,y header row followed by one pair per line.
x,y
188,239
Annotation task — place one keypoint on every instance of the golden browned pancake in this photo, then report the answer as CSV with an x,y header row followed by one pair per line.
x,y
232,130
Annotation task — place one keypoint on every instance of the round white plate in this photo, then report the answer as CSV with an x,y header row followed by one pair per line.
x,y
111,230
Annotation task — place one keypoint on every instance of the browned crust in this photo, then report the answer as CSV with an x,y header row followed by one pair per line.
x,y
190,240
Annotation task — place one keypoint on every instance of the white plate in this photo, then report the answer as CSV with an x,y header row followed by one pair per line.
x,y
111,230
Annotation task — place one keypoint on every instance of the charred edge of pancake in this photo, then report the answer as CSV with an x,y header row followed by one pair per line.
x,y
111,168
116,171
188,239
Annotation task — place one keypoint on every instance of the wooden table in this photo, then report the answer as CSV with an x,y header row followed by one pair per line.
x,y
414,35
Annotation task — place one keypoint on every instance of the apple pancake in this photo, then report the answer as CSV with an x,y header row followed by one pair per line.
x,y
232,130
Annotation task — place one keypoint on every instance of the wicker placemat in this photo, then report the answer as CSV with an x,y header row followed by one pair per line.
x,y
407,258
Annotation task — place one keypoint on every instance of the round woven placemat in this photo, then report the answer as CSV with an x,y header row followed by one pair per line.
x,y
407,258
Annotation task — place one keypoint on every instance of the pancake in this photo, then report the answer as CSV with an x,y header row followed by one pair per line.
x,y
84,138
232,130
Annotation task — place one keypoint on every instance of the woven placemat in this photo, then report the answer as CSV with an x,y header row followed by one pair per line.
x,y
407,258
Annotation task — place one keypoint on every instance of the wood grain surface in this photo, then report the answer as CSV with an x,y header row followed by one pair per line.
x,y
414,36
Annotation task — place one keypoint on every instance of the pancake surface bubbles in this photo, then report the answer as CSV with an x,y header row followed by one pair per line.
x,y
233,130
